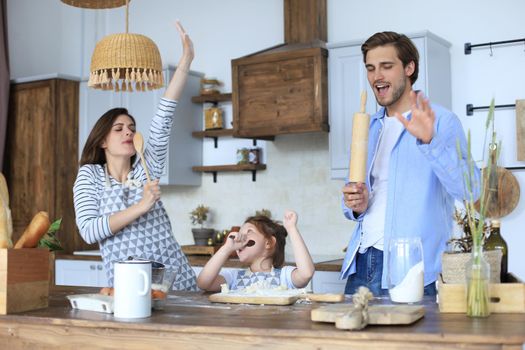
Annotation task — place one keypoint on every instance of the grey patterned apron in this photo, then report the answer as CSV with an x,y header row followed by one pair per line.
x,y
246,278
148,237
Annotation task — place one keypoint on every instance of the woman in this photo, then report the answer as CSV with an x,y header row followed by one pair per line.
x,y
114,204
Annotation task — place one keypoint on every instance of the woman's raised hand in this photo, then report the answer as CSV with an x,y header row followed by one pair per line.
x,y
187,45
176,85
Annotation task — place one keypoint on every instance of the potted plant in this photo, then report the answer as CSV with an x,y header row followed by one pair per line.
x,y
199,216
459,252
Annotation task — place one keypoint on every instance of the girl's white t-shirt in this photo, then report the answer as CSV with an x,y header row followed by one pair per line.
x,y
230,275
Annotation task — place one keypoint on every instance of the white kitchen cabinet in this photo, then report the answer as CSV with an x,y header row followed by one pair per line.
x,y
327,282
347,78
85,273
184,151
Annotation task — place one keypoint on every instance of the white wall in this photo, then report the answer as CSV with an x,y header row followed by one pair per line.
x,y
298,165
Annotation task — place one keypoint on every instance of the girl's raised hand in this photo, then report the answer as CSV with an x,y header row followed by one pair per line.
x,y
236,240
290,219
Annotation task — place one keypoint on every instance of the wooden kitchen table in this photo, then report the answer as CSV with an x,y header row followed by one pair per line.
x,y
190,321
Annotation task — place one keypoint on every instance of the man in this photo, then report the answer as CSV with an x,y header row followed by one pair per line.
x,y
414,172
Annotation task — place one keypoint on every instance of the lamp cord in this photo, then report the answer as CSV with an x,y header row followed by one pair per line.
x,y
127,15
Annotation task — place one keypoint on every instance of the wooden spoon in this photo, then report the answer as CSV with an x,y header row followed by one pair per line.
x,y
138,143
250,243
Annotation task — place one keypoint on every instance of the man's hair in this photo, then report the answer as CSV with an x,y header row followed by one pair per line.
x,y
405,48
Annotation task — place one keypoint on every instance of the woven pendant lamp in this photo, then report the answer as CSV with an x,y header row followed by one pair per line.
x,y
95,4
120,61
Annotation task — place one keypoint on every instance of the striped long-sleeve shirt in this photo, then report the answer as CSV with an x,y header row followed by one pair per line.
x,y
91,180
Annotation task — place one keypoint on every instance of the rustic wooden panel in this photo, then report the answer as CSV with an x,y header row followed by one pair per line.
x,y
30,157
280,93
304,21
66,114
42,155
520,129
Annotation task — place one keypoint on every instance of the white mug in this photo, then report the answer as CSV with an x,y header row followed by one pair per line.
x,y
132,289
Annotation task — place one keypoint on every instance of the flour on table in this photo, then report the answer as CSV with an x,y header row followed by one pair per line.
x,y
262,288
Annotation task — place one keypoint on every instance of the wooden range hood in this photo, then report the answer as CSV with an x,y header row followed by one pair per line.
x,y
283,89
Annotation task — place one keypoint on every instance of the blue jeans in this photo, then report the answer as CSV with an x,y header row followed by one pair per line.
x,y
369,270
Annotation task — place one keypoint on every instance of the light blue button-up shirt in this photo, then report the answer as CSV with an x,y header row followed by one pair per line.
x,y
423,181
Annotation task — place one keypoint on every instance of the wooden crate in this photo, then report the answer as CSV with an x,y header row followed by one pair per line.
x,y
24,279
506,297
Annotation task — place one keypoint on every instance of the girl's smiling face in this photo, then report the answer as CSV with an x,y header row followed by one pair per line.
x,y
262,248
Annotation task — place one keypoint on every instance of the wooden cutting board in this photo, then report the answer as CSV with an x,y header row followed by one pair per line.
x,y
274,300
520,129
504,197
378,314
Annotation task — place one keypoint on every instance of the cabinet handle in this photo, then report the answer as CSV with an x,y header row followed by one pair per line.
x,y
92,267
99,267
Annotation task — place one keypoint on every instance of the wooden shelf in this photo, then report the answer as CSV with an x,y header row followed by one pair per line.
x,y
214,169
212,98
214,134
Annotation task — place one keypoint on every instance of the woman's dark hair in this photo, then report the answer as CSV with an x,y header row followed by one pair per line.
x,y
406,51
269,229
93,152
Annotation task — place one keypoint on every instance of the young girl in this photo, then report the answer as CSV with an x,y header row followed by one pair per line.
x,y
260,244
114,204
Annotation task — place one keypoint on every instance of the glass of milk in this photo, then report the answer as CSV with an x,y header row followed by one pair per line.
x,y
405,269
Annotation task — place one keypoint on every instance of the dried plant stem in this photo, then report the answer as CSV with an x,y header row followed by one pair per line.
x,y
478,273
478,296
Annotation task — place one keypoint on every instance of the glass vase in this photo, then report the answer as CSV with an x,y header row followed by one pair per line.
x,y
478,277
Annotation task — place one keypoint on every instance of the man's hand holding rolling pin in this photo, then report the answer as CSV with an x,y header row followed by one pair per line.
x,y
355,192
355,195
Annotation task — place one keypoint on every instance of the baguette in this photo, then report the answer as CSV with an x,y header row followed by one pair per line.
x,y
4,193
6,223
34,231
4,232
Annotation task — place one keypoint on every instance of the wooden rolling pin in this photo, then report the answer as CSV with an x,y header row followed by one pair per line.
x,y
359,148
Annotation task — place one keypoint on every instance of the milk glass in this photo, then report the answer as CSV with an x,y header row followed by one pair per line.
x,y
405,269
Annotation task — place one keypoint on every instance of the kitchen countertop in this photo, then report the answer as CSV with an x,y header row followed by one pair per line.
x,y
190,321
333,265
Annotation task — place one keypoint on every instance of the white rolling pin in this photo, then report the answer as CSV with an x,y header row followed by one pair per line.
x,y
359,148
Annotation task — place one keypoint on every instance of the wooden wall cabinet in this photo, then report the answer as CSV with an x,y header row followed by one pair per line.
x,y
42,155
280,92
283,90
